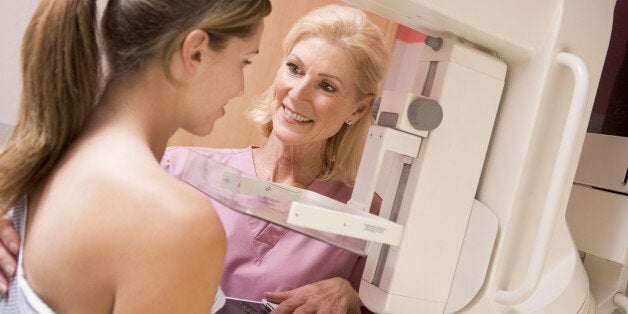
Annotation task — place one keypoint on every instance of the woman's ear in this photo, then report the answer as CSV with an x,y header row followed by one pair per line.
x,y
364,107
194,50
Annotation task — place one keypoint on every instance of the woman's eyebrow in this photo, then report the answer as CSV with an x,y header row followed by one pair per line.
x,y
333,77
321,74
296,57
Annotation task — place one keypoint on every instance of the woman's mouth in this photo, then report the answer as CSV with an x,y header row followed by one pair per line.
x,y
295,116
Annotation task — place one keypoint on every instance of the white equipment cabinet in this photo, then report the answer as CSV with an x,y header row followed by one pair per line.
x,y
483,202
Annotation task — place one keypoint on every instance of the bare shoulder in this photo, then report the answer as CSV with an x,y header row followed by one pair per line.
x,y
175,246
126,239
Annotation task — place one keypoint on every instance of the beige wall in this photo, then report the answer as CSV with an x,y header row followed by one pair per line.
x,y
14,16
233,130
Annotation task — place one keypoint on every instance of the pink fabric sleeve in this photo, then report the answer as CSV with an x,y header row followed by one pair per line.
x,y
173,160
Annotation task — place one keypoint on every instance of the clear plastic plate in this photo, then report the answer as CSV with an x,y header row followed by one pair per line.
x,y
263,199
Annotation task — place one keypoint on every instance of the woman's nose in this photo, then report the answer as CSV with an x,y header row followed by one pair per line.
x,y
300,89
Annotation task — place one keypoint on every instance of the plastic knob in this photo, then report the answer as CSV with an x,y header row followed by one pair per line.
x,y
425,114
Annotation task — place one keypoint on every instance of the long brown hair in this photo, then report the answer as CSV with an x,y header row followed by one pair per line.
x,y
62,75
60,72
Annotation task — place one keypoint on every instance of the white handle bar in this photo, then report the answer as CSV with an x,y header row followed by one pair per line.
x,y
558,183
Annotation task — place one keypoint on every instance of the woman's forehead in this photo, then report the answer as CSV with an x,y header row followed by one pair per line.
x,y
324,54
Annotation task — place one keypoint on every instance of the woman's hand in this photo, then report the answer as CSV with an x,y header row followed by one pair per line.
x,y
333,295
9,246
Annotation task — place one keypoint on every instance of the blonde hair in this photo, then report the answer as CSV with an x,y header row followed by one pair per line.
x,y
350,29
62,74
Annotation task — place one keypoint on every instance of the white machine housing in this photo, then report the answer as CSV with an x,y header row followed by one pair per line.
x,y
483,203
440,184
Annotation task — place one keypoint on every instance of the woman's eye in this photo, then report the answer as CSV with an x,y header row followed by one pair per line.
x,y
328,87
246,62
293,68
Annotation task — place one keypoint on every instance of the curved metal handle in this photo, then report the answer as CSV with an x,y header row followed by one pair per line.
x,y
557,184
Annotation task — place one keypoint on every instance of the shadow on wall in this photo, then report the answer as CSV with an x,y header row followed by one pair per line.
x,y
5,131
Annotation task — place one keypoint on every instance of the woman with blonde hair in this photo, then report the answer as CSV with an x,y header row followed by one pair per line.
x,y
103,227
316,116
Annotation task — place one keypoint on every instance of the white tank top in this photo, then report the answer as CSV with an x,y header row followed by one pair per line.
x,y
21,298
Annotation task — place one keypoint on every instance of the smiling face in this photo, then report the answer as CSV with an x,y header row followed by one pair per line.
x,y
315,93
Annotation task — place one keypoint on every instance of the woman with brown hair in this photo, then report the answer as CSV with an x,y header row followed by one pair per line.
x,y
103,227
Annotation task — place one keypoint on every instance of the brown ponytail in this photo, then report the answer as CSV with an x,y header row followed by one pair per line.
x,y
61,69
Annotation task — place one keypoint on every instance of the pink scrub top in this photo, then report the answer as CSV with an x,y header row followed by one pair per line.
x,y
264,257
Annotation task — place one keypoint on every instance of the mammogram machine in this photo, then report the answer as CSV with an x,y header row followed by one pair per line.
x,y
478,135
499,110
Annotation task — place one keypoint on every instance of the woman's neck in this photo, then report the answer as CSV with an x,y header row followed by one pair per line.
x,y
135,111
296,165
